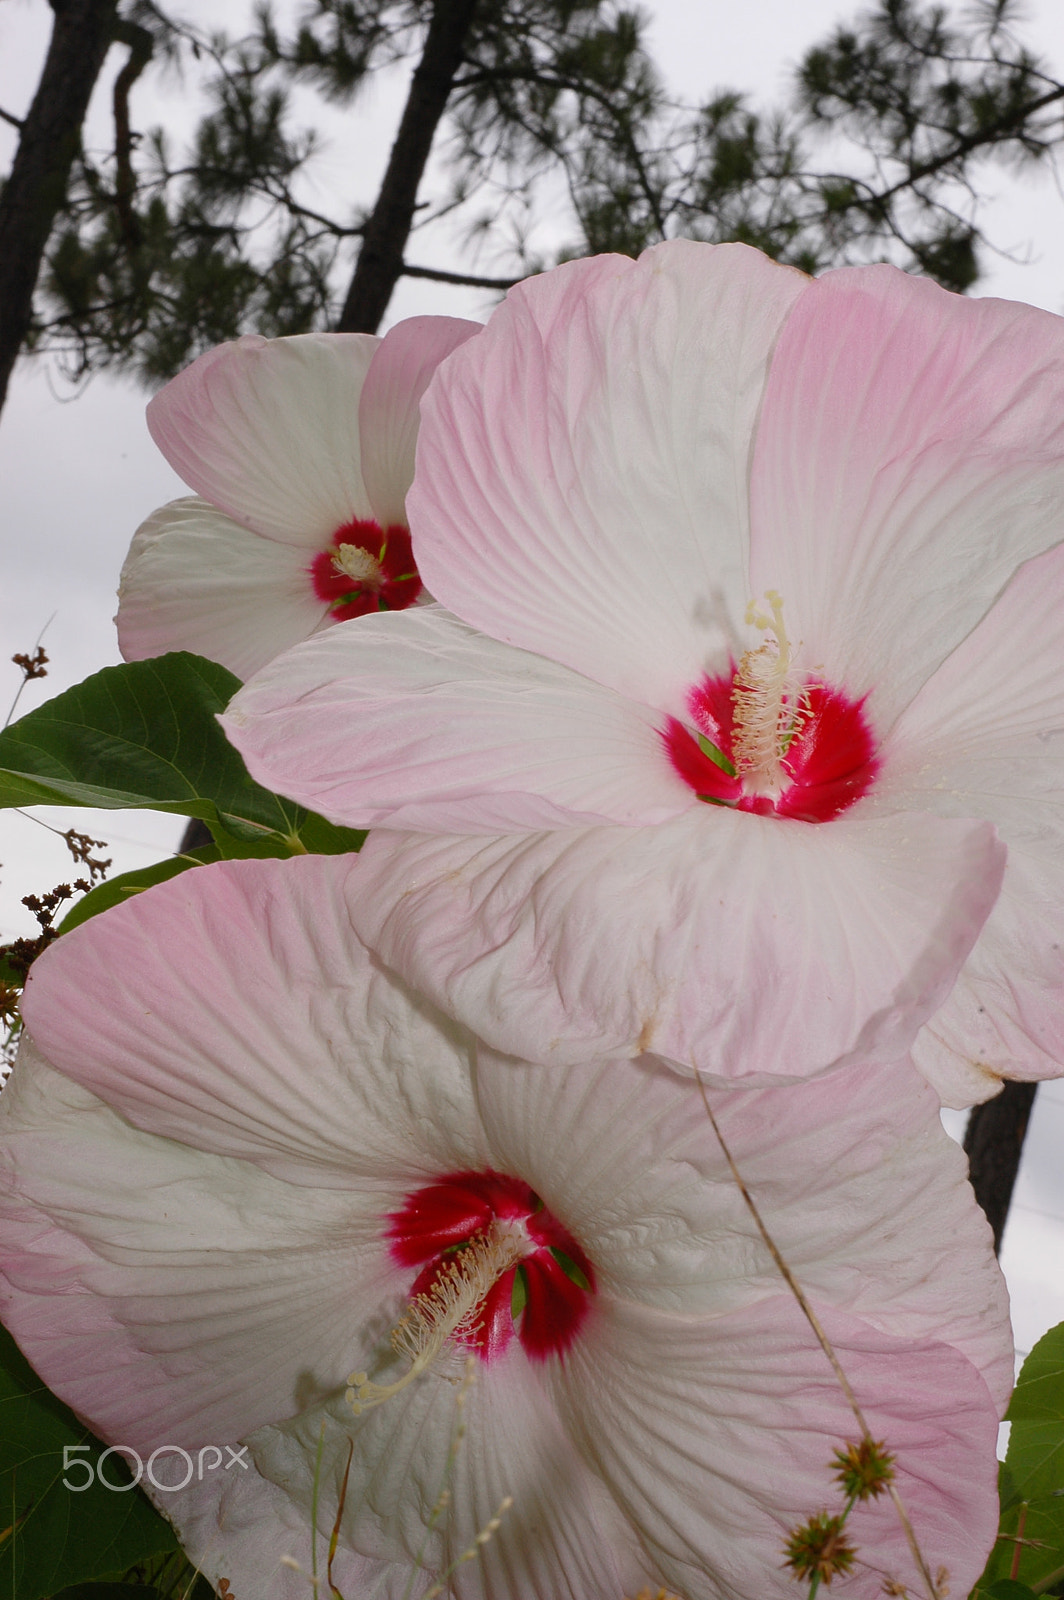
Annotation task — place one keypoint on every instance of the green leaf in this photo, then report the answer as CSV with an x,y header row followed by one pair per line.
x,y
1036,1443
53,1536
145,734
1031,1482
111,1591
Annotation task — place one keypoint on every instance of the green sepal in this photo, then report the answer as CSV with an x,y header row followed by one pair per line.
x,y
574,1273
715,754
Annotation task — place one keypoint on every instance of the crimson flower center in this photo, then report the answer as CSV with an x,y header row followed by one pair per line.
x,y
366,568
540,1298
814,761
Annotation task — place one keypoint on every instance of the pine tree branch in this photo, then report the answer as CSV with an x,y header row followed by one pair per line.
x,y
469,280
386,230
994,133
37,185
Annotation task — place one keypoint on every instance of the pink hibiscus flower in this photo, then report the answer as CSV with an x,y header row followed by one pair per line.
x,y
752,666
231,1169
303,450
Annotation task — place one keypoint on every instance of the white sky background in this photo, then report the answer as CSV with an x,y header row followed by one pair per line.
x,y
79,472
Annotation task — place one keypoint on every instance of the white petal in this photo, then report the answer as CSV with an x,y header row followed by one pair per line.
x,y
1004,1018
984,738
716,1437
196,580
581,488
167,1295
562,1536
267,431
273,1036
909,456
744,946
389,410
856,1180
237,1526
414,720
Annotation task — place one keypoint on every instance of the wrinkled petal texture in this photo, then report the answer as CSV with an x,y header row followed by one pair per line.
x,y
737,945
205,1255
169,1295
583,494
239,1528
389,406
582,478
273,1018
563,1537
847,1171
416,720
267,430
909,456
196,580
987,733
627,1396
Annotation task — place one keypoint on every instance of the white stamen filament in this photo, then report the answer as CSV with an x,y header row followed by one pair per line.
x,y
355,563
769,705
449,1309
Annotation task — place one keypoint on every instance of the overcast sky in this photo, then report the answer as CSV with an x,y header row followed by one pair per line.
x,y
78,471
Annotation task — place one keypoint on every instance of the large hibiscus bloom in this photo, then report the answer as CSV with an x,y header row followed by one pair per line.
x,y
742,666
230,1167
302,450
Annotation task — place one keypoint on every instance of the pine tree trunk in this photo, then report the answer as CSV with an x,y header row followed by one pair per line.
x,y
993,1142
380,260
36,188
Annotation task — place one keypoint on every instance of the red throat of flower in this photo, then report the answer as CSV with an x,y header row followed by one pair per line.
x,y
542,1291
765,739
366,568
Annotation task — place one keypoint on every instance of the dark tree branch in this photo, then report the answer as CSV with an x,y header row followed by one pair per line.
x,y
16,122
465,278
37,185
993,1143
386,230
139,41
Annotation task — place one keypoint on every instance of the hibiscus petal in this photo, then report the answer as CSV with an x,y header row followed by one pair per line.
x,y
909,456
1003,1018
274,1036
389,410
170,1296
236,1526
562,1536
267,431
740,945
637,1393
984,736
852,1168
413,719
196,580
581,485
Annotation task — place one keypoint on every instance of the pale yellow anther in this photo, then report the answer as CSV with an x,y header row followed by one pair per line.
x,y
769,702
449,1309
355,563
